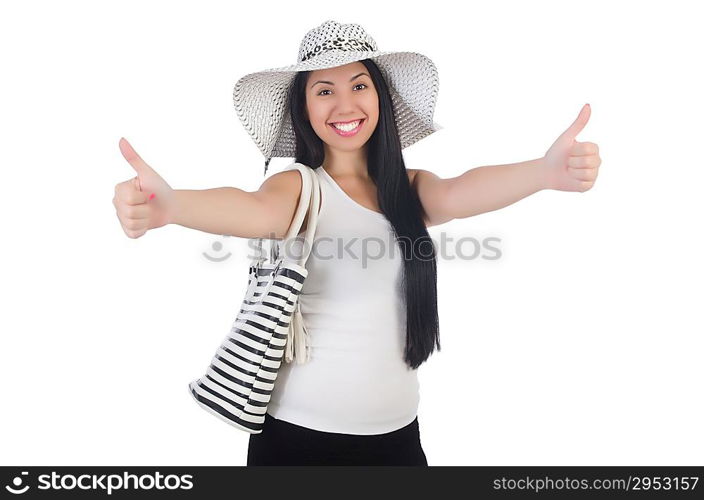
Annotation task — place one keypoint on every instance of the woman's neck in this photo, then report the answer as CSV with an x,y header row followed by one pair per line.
x,y
346,164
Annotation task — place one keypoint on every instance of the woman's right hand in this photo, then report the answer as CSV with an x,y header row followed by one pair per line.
x,y
144,202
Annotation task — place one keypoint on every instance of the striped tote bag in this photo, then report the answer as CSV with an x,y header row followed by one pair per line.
x,y
268,330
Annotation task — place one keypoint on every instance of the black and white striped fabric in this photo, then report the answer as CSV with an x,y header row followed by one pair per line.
x,y
237,385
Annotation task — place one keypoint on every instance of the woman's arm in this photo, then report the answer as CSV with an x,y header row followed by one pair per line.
x,y
478,190
148,202
224,210
489,188
266,213
568,165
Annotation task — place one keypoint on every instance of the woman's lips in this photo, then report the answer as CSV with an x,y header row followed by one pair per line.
x,y
351,132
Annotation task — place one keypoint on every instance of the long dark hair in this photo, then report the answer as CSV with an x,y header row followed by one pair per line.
x,y
399,203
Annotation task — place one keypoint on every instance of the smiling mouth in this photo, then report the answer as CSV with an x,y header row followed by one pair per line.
x,y
347,133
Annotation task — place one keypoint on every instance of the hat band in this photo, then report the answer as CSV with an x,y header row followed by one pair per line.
x,y
350,44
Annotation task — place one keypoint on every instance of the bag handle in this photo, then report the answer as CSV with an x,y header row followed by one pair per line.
x,y
303,203
310,203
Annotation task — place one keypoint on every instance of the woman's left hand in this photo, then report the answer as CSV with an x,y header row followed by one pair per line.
x,y
573,165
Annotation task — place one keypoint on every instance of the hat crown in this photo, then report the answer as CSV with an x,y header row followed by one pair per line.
x,y
332,35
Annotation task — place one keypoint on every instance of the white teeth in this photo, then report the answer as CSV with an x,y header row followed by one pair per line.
x,y
347,126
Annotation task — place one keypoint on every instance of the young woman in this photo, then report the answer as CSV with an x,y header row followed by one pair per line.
x,y
347,110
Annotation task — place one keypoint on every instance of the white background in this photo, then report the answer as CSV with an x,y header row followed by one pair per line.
x,y
582,345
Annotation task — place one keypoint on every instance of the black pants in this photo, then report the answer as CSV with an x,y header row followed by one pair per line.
x,y
284,443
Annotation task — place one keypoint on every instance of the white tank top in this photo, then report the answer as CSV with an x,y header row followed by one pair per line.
x,y
356,381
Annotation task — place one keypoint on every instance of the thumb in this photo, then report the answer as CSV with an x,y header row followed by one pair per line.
x,y
139,165
579,124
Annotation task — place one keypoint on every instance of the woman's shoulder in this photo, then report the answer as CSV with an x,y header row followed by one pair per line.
x,y
279,195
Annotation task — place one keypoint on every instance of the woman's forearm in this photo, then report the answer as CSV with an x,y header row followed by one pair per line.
x,y
484,189
225,210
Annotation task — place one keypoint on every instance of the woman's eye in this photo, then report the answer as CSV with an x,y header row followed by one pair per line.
x,y
328,90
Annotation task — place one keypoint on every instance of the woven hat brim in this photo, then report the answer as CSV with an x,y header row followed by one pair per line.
x,y
261,98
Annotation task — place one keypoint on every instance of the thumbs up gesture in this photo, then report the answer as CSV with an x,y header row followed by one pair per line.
x,y
145,201
573,165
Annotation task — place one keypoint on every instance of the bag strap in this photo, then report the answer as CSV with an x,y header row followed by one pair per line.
x,y
310,203
303,202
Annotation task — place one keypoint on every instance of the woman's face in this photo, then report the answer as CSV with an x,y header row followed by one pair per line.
x,y
344,95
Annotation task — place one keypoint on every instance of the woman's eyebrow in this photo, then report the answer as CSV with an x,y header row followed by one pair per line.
x,y
330,83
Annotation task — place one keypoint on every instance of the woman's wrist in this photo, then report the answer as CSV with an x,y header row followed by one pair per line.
x,y
545,173
175,209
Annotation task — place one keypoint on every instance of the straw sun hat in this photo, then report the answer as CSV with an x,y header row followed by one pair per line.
x,y
261,99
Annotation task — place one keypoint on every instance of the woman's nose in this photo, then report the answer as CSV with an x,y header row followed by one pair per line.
x,y
347,106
